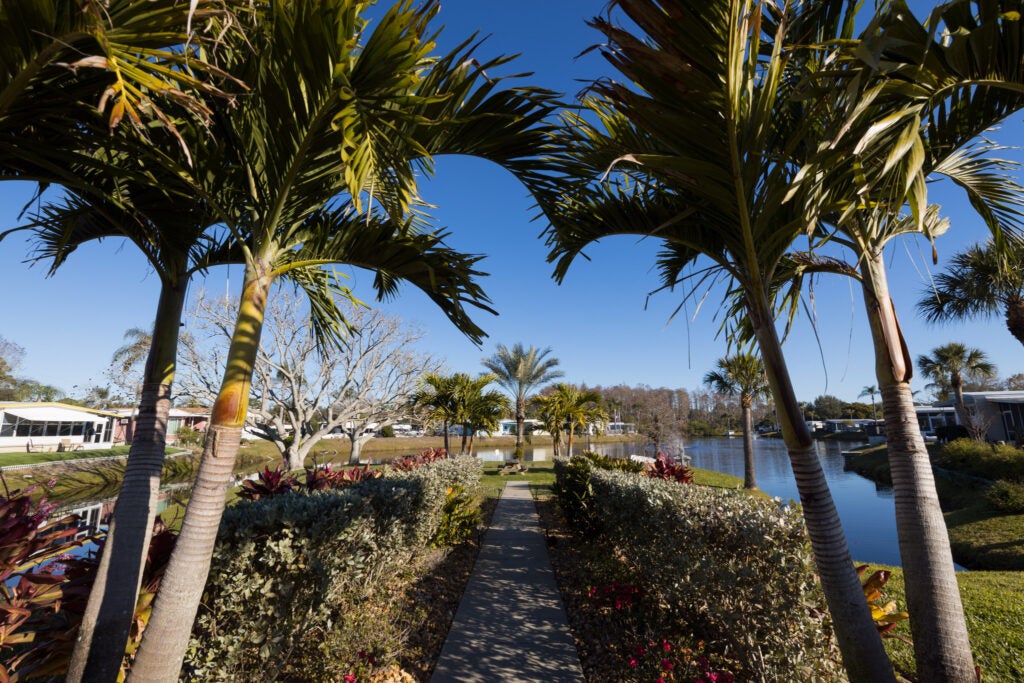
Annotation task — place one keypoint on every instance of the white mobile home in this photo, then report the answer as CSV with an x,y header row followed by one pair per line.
x,y
37,427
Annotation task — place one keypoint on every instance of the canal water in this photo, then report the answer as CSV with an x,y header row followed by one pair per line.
x,y
866,510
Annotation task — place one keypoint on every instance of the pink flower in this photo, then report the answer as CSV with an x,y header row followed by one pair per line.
x,y
641,650
665,645
659,679
633,663
350,678
667,665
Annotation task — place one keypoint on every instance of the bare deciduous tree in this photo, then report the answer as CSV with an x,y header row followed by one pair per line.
x,y
300,395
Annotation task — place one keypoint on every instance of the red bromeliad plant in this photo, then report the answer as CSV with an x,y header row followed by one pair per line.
x,y
425,457
43,591
356,475
664,467
270,483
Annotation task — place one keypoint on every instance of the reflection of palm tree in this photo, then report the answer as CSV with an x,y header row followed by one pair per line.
x,y
949,365
700,154
870,390
519,371
980,282
742,375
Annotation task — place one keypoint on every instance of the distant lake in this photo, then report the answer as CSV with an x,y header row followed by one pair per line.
x,y
867,511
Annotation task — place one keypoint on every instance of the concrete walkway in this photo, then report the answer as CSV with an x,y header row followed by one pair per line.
x,y
511,624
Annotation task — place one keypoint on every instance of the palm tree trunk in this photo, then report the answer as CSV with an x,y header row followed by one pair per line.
x,y
568,451
447,450
864,656
749,478
942,648
107,621
520,422
165,639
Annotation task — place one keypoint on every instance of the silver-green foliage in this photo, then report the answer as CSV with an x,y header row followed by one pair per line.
x,y
736,568
289,571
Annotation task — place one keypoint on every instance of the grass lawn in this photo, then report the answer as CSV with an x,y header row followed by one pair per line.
x,y
994,607
9,459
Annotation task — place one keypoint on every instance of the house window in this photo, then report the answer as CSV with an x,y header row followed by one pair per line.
x,y
7,428
51,428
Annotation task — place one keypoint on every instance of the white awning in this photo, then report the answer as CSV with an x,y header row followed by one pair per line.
x,y
51,414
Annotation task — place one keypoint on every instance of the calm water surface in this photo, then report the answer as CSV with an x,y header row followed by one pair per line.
x,y
867,512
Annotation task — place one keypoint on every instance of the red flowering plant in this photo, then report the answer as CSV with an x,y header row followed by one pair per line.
x,y
661,661
268,483
362,668
615,595
664,467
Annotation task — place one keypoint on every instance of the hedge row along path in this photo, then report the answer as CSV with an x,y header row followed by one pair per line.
x,y
511,624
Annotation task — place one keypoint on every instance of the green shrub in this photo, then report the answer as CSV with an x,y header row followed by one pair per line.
x,y
300,583
990,461
1006,496
620,464
573,490
736,569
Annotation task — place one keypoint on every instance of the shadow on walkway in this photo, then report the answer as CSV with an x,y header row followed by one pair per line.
x,y
511,624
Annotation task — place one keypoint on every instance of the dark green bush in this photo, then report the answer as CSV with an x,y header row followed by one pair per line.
x,y
979,459
1006,496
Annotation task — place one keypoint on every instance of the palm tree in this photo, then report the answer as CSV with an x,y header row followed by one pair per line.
x,y
916,105
70,72
479,409
981,281
579,408
742,375
172,234
552,416
439,397
353,117
948,365
870,390
519,371
697,148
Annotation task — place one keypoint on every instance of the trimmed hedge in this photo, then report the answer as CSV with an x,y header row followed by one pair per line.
x,y
299,582
989,461
736,569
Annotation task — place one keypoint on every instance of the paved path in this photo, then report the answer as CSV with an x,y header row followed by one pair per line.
x,y
511,624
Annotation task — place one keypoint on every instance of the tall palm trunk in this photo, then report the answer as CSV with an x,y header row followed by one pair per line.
x,y
749,478
863,655
447,449
957,383
568,450
520,423
164,641
107,622
942,648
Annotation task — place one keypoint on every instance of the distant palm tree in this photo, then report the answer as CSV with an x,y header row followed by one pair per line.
x,y
552,416
949,364
480,410
519,371
870,390
980,282
439,397
742,375
578,408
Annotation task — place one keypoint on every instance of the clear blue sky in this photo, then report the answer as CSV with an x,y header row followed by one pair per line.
x,y
595,323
